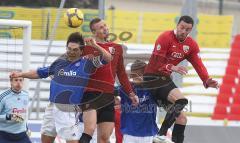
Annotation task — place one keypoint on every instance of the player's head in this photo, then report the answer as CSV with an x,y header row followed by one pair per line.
x,y
16,84
137,70
99,28
184,27
75,45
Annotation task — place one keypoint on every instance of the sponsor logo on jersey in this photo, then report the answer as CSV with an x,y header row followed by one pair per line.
x,y
69,73
185,48
112,50
177,55
17,110
77,64
144,98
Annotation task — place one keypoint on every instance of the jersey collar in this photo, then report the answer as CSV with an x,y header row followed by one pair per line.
x,y
16,92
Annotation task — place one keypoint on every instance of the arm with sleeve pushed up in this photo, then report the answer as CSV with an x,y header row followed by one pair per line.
x,y
2,115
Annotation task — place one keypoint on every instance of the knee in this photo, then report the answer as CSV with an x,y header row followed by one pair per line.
x,y
181,119
183,102
89,129
104,138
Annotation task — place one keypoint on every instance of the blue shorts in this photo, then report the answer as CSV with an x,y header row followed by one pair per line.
x,y
14,138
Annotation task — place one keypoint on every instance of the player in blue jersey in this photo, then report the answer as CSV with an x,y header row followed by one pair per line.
x,y
138,124
70,76
13,112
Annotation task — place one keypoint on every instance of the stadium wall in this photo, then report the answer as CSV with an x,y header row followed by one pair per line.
x,y
213,30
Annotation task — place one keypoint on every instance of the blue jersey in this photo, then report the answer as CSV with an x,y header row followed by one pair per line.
x,y
12,102
69,78
139,120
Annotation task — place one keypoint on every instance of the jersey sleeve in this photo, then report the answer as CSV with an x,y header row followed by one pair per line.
x,y
98,61
159,58
2,115
196,61
122,75
93,62
122,92
43,72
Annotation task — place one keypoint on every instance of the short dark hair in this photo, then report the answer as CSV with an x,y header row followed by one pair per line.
x,y
187,19
94,21
137,65
76,37
11,78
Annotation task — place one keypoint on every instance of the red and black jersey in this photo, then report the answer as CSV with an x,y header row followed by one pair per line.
x,y
168,51
104,77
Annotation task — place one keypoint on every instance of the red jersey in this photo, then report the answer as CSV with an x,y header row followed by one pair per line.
x,y
103,78
168,51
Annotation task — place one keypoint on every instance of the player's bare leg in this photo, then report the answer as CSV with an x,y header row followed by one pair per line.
x,y
47,139
73,141
104,131
90,121
179,101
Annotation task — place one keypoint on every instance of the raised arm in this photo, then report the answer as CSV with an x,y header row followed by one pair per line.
x,y
106,56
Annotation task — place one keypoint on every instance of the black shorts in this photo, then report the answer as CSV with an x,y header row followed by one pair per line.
x,y
160,87
103,103
14,138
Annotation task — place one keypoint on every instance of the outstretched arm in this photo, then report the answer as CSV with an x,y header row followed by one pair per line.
x,y
43,72
32,74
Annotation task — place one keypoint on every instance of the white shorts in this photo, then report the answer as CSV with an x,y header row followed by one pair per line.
x,y
62,124
136,139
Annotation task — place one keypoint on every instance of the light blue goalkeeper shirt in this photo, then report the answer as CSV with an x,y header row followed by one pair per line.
x,y
12,102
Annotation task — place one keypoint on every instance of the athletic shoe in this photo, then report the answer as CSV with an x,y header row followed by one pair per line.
x,y
161,139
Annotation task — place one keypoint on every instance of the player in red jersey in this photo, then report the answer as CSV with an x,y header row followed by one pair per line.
x,y
101,84
170,49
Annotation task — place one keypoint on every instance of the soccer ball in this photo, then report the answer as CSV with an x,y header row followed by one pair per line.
x,y
73,17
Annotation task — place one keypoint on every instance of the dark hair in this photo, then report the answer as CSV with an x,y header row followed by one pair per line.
x,y
138,64
92,22
76,37
186,19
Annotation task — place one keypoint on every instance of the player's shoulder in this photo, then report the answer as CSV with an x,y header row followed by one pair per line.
x,y
115,45
167,33
24,92
191,42
5,93
61,59
165,36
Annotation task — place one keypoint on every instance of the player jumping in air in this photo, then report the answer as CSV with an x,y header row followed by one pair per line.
x,y
170,49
